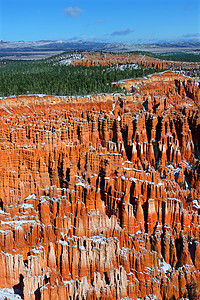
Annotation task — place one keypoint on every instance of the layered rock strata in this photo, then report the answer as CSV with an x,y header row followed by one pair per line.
x,y
100,195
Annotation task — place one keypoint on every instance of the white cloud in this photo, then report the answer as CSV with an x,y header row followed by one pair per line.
x,y
187,6
73,12
99,21
83,37
121,32
192,36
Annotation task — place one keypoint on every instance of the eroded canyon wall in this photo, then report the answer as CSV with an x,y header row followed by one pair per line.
x,y
99,195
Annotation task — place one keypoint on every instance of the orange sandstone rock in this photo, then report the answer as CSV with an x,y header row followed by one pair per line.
x,y
97,202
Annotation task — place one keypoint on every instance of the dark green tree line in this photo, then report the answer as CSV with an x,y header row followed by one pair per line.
x,y
46,77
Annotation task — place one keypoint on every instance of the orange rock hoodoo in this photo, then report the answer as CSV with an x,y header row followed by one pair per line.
x,y
99,195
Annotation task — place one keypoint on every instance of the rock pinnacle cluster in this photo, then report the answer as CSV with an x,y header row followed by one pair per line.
x,y
100,194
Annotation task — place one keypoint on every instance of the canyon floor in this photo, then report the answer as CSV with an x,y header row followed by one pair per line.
x,y
100,194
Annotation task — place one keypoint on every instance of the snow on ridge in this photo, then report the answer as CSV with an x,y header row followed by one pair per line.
x,y
18,222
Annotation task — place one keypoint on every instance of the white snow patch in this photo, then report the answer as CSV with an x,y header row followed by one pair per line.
x,y
6,110
64,243
163,265
17,223
26,206
113,108
3,212
81,184
81,247
195,204
9,294
33,196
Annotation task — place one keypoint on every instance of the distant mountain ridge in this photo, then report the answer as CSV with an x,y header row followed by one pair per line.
x,y
87,45
28,50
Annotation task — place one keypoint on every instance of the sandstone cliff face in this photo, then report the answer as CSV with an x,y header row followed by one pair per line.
x,y
100,195
97,59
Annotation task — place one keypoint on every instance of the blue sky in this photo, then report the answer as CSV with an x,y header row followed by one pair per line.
x,y
103,21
